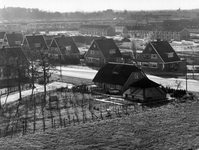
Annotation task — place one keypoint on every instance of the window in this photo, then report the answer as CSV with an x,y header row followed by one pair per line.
x,y
112,51
68,48
154,56
92,52
147,56
18,42
153,65
145,64
136,75
118,87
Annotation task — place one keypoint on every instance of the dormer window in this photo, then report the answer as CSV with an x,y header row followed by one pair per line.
x,y
112,51
68,48
170,55
37,45
18,42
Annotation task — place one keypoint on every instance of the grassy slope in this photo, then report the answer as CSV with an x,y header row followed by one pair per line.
x,y
167,127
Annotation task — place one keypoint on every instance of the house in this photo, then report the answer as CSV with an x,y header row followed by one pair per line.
x,y
159,57
13,39
121,29
2,34
34,42
117,76
12,60
144,90
176,34
103,51
64,49
101,30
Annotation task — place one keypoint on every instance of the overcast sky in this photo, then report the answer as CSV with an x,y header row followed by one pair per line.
x,y
98,5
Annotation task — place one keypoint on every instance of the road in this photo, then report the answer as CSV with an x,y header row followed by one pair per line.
x,y
88,73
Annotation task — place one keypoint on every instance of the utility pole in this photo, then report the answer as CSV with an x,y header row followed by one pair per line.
x,y
186,72
193,61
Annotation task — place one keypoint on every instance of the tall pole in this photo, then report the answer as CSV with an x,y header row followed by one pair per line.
x,y
193,62
186,73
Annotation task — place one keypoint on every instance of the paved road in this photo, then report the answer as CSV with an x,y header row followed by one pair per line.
x,y
87,73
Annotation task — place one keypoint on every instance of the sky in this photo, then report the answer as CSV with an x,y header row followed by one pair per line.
x,y
99,5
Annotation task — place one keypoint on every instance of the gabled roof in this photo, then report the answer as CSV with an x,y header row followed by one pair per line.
x,y
117,74
144,83
95,26
63,42
36,39
163,48
2,34
13,52
105,45
14,39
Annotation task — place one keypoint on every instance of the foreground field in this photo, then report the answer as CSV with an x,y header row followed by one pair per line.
x,y
168,127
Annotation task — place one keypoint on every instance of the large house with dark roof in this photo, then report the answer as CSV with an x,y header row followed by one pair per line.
x,y
101,30
160,57
118,76
32,43
13,39
103,51
9,59
64,49
36,41
2,35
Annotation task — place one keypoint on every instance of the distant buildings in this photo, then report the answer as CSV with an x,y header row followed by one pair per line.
x,y
100,30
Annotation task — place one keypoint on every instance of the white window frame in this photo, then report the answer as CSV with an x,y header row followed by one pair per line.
x,y
154,56
153,65
145,64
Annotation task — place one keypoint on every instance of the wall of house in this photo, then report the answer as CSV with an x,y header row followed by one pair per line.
x,y
149,55
94,55
135,76
111,31
184,35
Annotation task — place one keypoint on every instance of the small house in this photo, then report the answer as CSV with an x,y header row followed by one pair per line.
x,y
159,56
144,90
103,51
64,49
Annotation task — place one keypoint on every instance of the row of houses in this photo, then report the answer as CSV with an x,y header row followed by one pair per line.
x,y
141,31
157,57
